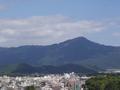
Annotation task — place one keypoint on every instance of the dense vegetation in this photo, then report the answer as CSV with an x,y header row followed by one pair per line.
x,y
106,82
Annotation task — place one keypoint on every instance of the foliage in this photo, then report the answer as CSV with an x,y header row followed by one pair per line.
x,y
106,82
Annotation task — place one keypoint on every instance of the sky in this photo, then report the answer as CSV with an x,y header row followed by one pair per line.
x,y
45,22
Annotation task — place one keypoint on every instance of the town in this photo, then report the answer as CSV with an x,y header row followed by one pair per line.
x,y
66,81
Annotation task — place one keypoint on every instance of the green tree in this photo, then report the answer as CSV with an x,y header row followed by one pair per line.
x,y
104,83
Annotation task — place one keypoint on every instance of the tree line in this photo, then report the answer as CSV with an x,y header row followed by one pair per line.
x,y
103,82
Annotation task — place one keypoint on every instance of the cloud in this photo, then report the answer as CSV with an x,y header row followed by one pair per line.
x,y
44,30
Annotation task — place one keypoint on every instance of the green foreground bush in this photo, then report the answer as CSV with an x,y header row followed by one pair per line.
x,y
104,83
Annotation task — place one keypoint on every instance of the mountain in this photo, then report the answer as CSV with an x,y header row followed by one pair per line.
x,y
47,69
78,51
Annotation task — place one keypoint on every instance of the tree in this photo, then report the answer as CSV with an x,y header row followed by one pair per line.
x,y
104,83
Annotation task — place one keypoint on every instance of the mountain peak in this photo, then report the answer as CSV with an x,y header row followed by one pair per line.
x,y
79,50
80,38
76,40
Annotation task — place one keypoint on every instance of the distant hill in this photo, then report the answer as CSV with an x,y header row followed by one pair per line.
x,y
78,51
28,69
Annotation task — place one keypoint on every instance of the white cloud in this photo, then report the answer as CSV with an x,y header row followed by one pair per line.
x,y
45,30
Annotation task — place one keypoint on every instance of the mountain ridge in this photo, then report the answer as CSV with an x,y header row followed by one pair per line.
x,y
47,69
79,51
68,40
